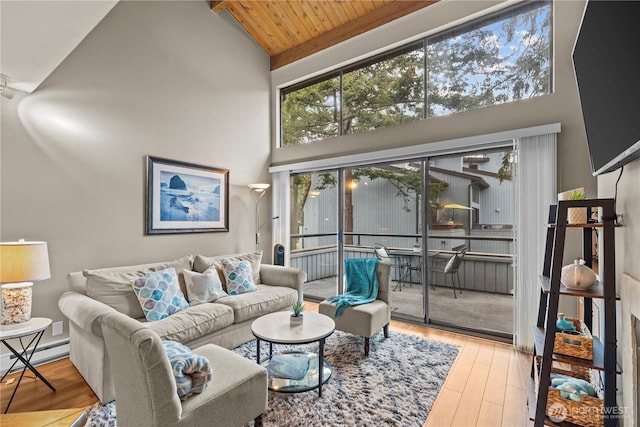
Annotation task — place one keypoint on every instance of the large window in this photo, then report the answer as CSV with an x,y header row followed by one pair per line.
x,y
494,61
384,93
311,113
498,59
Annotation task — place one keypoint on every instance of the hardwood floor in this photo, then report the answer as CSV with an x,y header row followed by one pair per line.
x,y
487,386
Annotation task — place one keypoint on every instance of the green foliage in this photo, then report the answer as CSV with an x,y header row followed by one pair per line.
x,y
386,93
577,195
297,308
382,94
505,173
496,62
407,182
311,113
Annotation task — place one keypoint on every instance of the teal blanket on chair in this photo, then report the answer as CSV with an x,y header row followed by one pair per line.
x,y
361,283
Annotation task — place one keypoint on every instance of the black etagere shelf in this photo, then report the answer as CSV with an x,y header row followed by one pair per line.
x,y
604,359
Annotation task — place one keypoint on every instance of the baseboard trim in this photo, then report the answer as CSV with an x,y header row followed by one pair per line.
x,y
47,352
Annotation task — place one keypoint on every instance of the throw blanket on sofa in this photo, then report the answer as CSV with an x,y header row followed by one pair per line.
x,y
191,371
361,283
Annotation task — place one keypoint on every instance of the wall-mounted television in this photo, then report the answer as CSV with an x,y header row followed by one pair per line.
x,y
606,59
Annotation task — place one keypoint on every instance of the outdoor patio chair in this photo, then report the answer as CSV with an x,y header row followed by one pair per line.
x,y
450,267
396,263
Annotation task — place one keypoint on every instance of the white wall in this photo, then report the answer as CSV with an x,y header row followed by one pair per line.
x,y
627,247
628,205
168,79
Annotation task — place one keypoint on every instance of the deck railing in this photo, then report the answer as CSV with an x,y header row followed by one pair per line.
x,y
480,271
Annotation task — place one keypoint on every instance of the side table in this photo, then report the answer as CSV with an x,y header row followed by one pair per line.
x,y
36,327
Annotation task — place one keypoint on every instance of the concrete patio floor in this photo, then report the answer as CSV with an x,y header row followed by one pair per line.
x,y
471,309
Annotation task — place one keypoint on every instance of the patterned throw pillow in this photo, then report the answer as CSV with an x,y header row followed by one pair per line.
x,y
238,275
191,371
203,287
201,263
159,294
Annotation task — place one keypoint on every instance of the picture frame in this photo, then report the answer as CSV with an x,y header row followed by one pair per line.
x,y
185,197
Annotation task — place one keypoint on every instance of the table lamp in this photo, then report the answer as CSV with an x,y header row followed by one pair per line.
x,y
258,191
22,263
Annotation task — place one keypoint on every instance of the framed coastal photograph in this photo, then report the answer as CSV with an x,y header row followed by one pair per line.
x,y
186,198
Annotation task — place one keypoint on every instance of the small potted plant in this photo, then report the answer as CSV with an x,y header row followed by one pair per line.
x,y
296,316
577,215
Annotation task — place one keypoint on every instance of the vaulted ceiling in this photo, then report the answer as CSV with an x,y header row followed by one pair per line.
x,y
287,30
291,30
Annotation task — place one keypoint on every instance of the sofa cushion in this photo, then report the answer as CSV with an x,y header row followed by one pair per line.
x,y
159,294
238,275
265,300
113,286
193,322
203,287
201,263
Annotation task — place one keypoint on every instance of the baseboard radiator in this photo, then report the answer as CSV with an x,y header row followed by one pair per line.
x,y
45,353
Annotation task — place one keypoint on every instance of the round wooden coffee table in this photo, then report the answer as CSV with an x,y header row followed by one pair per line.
x,y
275,328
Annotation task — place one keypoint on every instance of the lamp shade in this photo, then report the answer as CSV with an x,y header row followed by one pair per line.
x,y
259,186
24,262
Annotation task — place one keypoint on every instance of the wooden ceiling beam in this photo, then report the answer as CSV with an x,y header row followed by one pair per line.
x,y
378,17
219,6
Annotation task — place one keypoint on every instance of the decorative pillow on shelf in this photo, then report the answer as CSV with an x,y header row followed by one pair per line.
x,y
239,276
191,371
159,294
203,287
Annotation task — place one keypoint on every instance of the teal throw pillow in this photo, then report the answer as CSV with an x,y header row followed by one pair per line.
x,y
159,294
191,371
239,276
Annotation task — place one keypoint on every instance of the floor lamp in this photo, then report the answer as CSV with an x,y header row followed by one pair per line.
x,y
258,191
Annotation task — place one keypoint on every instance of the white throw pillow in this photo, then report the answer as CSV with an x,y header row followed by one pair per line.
x,y
203,287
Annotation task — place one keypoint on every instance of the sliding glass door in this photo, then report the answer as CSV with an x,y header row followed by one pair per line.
x,y
471,241
314,225
462,276
382,208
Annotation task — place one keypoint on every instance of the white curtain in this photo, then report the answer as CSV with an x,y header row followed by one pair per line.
x,y
280,232
536,189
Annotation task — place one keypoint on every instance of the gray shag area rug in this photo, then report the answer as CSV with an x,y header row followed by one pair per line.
x,y
395,385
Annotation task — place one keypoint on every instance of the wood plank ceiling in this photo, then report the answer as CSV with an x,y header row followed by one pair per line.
x,y
291,30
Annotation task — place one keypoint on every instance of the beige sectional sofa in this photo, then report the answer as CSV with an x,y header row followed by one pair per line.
x,y
225,322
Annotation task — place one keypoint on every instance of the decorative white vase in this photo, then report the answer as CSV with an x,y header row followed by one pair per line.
x,y
296,320
577,276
